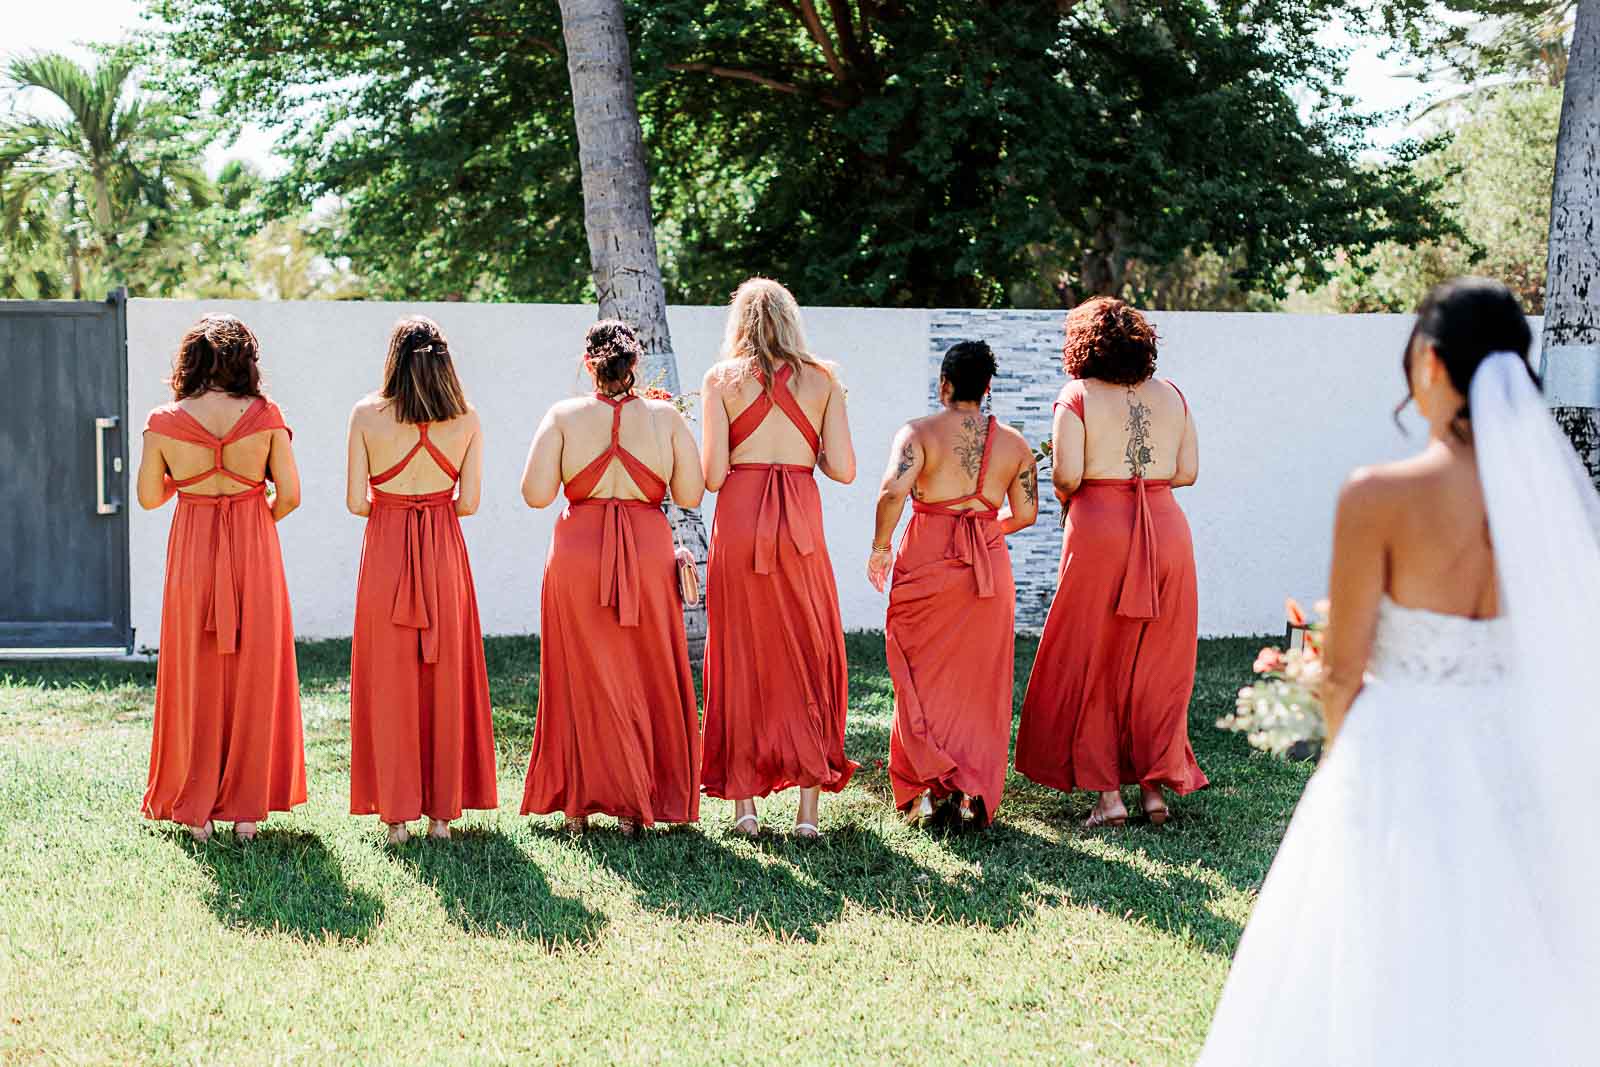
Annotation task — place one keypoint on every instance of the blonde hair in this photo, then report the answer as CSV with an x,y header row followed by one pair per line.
x,y
764,331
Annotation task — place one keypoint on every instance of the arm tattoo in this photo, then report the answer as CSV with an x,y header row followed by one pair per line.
x,y
1030,483
908,456
1138,452
969,447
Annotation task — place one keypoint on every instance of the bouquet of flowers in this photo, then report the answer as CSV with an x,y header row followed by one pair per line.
x,y
684,402
1280,713
1044,454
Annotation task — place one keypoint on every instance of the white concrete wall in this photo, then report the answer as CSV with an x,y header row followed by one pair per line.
x,y
1286,406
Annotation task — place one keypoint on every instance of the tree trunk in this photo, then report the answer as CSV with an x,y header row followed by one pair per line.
x,y
1571,346
616,216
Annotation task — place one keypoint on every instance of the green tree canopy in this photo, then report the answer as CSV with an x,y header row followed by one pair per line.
x,y
91,187
899,152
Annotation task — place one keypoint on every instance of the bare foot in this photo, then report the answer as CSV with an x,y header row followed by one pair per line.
x,y
439,829
201,834
399,834
1154,803
244,831
746,823
576,824
628,827
1108,811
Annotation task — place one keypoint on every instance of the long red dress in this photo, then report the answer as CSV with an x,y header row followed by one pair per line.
x,y
776,681
618,730
1108,701
951,635
421,736
227,741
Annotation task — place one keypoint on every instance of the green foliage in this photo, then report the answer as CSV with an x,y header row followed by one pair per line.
x,y
1496,169
1032,942
95,187
865,151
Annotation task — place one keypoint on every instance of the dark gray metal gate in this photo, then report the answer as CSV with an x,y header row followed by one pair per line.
x,y
64,476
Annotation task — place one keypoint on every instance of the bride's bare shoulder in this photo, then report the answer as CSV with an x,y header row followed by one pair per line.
x,y
1382,488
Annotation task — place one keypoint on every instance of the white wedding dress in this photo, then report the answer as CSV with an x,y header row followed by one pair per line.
x,y
1434,899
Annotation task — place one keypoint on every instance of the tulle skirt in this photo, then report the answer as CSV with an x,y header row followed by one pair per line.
x,y
1402,921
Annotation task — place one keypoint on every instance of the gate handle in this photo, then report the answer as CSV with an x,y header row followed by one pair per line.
x,y
101,505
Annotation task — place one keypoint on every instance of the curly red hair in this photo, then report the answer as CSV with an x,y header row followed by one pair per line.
x,y
1108,340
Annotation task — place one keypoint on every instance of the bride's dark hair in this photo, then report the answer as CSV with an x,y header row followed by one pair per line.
x,y
1467,320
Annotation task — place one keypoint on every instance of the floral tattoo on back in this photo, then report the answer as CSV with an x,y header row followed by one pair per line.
x,y
1138,451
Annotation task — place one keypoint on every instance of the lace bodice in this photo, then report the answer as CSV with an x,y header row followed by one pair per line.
x,y
1417,647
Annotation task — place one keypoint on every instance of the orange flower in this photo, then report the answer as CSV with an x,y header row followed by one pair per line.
x,y
1296,616
1270,659
655,392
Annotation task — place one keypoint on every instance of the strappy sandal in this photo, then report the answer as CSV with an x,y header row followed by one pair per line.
x,y
806,831
201,833
968,816
755,826
576,824
1098,819
244,831
628,827
920,813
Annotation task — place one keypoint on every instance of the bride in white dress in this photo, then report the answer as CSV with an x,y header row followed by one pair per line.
x,y
1435,898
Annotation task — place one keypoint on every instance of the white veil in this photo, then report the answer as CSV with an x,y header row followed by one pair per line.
x,y
1544,521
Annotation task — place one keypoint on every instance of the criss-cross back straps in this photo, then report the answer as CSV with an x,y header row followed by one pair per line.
x,y
580,485
977,489
173,421
423,442
753,416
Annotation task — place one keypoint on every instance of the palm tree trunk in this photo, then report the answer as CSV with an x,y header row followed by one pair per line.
x,y
616,216
1571,347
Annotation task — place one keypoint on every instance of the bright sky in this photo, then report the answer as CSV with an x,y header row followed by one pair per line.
x,y
66,25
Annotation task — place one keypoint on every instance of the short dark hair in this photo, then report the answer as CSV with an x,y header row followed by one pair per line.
x,y
219,352
1109,341
968,366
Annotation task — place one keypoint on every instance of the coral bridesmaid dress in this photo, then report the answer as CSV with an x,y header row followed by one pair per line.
x,y
950,636
1108,701
227,742
421,736
618,731
777,688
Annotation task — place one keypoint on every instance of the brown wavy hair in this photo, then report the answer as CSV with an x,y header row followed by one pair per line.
x,y
611,351
419,377
219,352
1108,340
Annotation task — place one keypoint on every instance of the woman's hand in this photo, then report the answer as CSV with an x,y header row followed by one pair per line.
x,y
878,566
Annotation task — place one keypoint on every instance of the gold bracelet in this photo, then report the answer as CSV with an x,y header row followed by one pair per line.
x,y
882,548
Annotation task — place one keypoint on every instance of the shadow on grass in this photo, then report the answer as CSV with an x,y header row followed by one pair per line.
x,y
490,887
285,882
687,874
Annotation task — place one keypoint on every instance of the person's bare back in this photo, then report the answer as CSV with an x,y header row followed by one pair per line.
x,y
387,440
952,444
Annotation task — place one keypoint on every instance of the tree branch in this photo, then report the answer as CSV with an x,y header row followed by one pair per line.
x,y
759,79
808,15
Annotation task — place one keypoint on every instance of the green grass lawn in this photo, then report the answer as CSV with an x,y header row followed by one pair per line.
x,y
1035,941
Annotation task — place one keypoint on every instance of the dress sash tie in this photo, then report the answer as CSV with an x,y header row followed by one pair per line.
x,y
968,541
416,596
223,608
1140,598
619,554
773,514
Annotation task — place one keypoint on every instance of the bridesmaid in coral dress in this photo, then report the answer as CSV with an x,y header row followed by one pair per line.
x,y
1108,701
421,737
776,678
618,731
227,742
951,629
